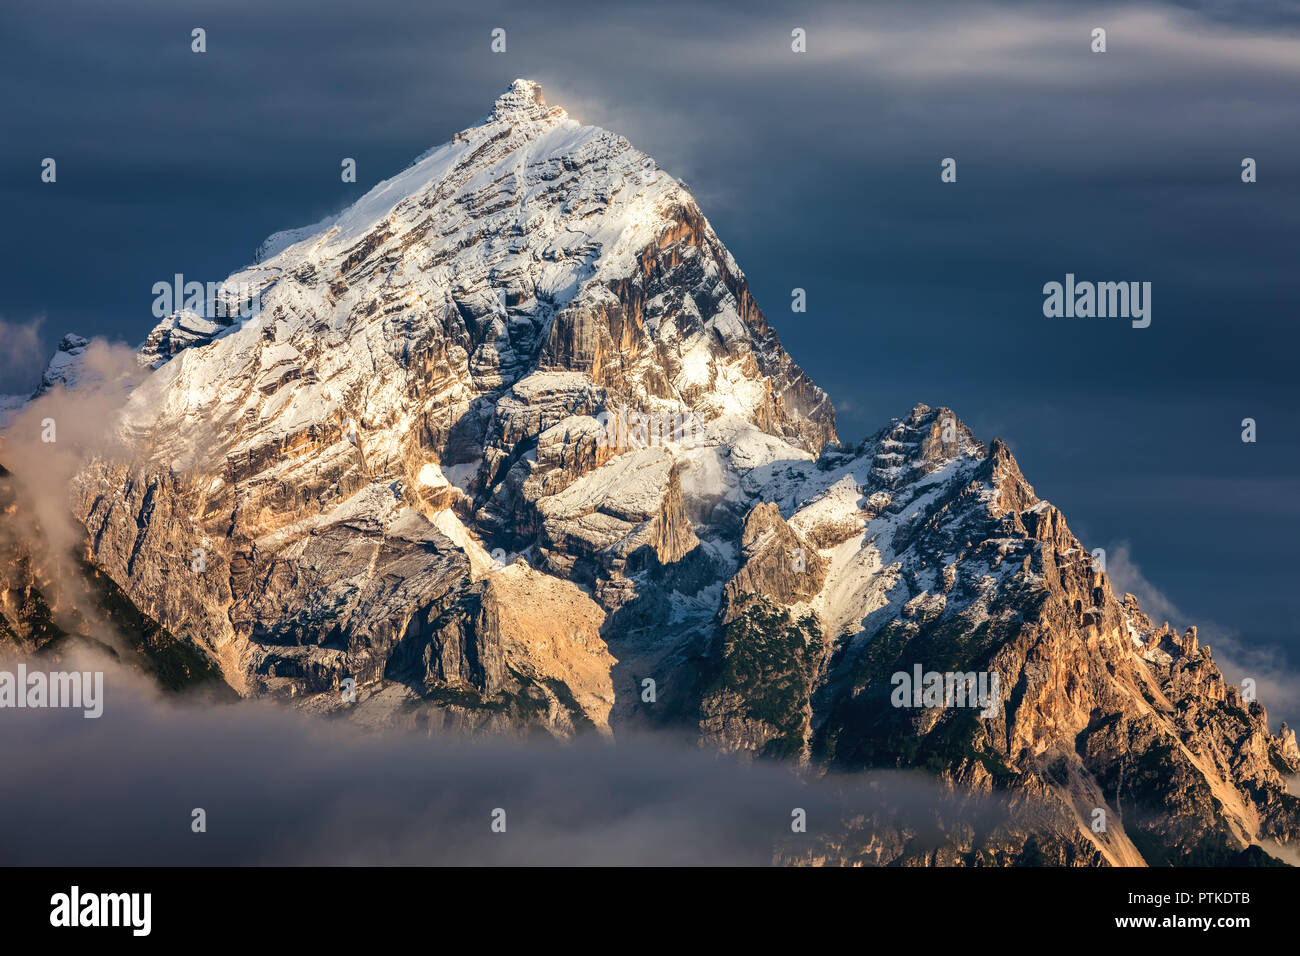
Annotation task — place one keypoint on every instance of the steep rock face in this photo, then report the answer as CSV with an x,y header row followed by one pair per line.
x,y
515,652
624,515
960,568
552,630
757,693
27,620
51,602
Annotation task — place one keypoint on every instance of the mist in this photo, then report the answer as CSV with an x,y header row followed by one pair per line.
x,y
280,787
43,447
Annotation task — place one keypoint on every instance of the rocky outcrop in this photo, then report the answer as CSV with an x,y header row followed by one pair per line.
x,y
756,689
625,515
180,331
65,367
778,563
51,601
1099,717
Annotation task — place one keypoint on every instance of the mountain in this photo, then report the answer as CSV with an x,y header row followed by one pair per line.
x,y
508,446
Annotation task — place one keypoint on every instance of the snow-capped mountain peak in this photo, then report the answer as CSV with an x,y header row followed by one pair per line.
x,y
527,244
509,436
523,99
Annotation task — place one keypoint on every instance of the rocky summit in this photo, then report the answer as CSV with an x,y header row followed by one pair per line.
x,y
507,446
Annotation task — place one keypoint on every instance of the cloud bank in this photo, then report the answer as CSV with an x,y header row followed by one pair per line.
x,y
278,787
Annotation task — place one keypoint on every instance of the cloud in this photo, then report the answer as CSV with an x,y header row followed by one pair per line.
x,y
1277,683
1006,44
1126,577
21,356
279,787
83,424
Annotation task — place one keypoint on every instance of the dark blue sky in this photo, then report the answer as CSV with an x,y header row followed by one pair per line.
x,y
819,171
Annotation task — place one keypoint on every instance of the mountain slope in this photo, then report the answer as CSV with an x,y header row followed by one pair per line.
x,y
413,359
937,553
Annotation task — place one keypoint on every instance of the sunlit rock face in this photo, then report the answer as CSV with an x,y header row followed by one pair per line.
x,y
420,397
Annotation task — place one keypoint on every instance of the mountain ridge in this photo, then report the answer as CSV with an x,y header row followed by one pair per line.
x,y
402,479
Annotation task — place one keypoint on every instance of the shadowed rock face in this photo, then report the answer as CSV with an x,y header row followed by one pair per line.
x,y
50,601
411,506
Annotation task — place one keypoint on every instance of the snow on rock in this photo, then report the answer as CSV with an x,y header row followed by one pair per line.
x,y
66,367
448,348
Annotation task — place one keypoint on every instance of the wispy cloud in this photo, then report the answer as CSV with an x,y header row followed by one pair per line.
x,y
20,355
1277,683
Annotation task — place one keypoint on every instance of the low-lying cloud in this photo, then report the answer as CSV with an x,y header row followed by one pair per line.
x,y
21,355
280,787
